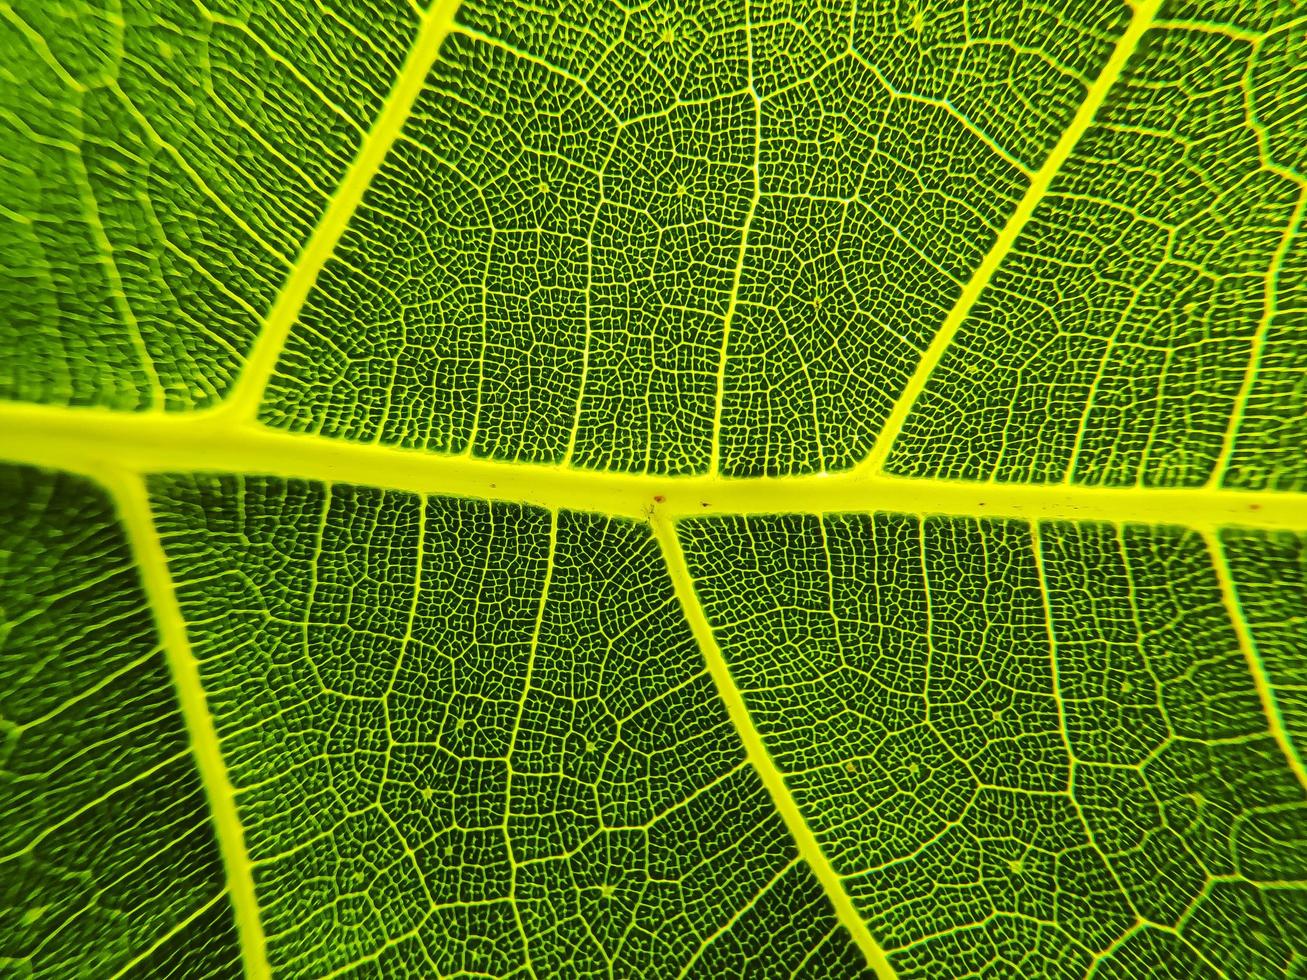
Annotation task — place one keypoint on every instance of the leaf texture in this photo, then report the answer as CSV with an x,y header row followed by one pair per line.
x,y
764,489
165,163
108,860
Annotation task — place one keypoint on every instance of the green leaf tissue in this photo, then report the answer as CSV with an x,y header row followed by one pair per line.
x,y
656,489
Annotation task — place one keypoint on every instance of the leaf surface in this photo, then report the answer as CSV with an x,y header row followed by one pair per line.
x,y
767,489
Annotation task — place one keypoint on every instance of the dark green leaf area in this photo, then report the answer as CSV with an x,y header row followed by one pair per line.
x,y
479,738
1024,755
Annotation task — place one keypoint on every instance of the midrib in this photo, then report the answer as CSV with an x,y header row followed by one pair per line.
x,y
91,441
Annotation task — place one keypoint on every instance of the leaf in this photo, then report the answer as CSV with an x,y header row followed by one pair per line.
x,y
756,490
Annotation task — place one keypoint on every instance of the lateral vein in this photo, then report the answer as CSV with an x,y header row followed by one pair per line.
x,y
741,256
247,394
133,502
805,841
1140,20
1248,646
1270,311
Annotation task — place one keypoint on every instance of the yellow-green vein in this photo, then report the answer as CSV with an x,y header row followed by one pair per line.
x,y
247,394
741,255
550,559
1248,645
1270,310
1140,20
757,754
85,441
133,503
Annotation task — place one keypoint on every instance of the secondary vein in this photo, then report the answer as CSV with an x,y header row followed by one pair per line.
x,y
1248,645
756,752
133,502
1141,19
247,394
732,304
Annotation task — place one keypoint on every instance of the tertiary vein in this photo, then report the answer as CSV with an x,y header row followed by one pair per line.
x,y
742,253
1270,312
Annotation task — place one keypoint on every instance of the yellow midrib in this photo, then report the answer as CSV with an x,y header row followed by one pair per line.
x,y
88,441
120,450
